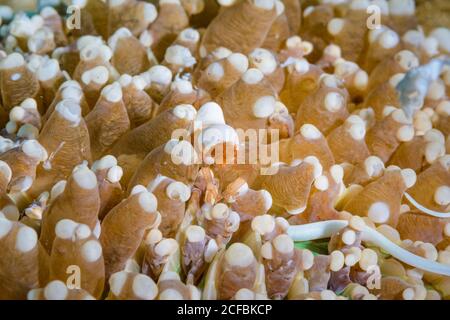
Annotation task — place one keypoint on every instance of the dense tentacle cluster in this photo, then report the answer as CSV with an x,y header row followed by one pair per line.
x,y
239,149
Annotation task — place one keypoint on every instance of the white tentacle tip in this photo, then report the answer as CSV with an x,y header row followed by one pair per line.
x,y
148,201
409,177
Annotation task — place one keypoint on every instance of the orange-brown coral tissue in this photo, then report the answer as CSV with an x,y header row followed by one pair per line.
x,y
225,149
